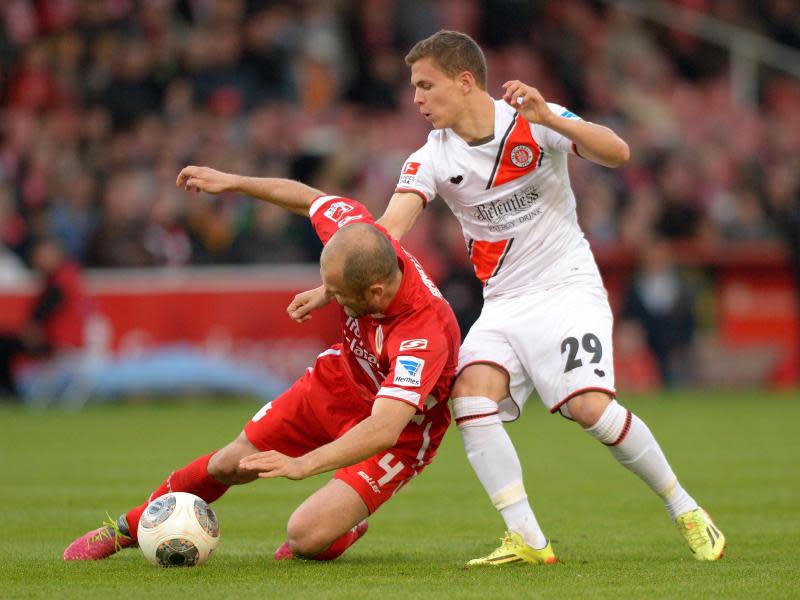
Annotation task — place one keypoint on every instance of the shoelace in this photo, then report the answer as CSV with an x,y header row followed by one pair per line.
x,y
109,531
695,532
500,550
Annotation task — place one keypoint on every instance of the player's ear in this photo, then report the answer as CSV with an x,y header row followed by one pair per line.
x,y
375,291
465,81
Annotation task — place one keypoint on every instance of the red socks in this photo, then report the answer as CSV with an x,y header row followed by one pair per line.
x,y
339,545
194,478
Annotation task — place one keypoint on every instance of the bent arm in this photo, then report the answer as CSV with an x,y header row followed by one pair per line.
x,y
400,214
291,195
374,434
594,142
377,432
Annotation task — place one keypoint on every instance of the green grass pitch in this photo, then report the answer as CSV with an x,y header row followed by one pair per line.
x,y
737,453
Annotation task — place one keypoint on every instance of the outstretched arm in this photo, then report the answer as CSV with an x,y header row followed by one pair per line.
x,y
400,214
374,434
291,195
594,142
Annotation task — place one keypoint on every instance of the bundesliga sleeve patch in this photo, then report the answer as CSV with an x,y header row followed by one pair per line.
x,y
408,371
337,211
409,174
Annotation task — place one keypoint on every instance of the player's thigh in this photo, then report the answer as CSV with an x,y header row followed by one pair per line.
x,y
289,424
488,344
566,345
325,516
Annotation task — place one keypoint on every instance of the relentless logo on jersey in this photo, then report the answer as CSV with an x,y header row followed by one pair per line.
x,y
337,210
418,344
500,210
521,156
408,371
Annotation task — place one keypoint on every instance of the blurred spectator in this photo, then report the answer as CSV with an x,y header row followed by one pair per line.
x,y
91,92
661,301
635,368
12,269
118,240
267,236
56,320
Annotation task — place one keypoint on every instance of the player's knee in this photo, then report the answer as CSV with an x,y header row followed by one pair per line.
x,y
224,465
587,408
474,411
304,538
222,468
481,379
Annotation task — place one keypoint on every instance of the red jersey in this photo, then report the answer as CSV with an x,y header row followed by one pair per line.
x,y
409,353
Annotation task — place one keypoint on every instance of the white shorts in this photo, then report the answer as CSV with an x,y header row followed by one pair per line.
x,y
556,341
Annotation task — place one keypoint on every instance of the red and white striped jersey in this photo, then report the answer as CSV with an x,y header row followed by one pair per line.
x,y
513,198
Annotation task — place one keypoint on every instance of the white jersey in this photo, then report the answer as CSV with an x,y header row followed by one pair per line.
x,y
514,201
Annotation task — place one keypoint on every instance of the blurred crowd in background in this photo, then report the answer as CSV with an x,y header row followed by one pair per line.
x,y
103,101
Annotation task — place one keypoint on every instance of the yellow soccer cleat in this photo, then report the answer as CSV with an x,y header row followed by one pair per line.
x,y
705,541
513,550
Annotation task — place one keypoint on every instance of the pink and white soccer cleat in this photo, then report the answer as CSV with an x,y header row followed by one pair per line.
x,y
99,543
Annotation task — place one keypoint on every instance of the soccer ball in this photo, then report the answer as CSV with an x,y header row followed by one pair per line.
x,y
178,530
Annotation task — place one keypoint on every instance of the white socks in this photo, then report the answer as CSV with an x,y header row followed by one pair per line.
x,y
495,461
633,445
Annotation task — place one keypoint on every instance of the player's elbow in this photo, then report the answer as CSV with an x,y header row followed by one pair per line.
x,y
388,437
620,155
395,228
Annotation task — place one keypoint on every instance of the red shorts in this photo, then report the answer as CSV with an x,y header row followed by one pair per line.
x,y
320,407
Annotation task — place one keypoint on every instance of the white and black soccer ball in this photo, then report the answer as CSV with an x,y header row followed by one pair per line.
x,y
178,530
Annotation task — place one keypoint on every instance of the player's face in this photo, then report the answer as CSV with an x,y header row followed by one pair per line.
x,y
354,304
437,95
